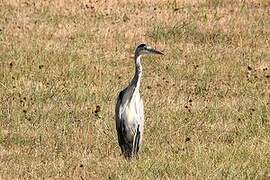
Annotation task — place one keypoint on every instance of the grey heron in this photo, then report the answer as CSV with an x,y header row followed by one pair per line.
x,y
129,111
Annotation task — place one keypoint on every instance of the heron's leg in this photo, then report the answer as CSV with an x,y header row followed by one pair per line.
x,y
137,140
134,142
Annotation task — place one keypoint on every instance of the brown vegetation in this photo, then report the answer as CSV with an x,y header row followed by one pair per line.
x,y
62,64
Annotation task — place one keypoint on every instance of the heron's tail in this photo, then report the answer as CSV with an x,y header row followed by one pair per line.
x,y
131,149
128,151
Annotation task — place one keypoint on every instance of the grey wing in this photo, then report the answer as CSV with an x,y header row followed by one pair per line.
x,y
119,121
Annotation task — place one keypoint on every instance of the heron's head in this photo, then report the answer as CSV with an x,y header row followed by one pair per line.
x,y
144,49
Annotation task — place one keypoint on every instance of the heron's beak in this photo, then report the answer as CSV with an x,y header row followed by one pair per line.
x,y
156,52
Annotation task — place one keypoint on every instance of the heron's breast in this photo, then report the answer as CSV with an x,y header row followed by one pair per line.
x,y
130,115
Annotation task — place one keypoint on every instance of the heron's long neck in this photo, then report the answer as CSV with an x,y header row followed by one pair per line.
x,y
135,83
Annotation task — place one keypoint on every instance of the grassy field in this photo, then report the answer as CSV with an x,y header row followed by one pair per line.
x,y
207,101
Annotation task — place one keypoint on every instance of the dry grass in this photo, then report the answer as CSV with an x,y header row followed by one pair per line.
x,y
206,101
